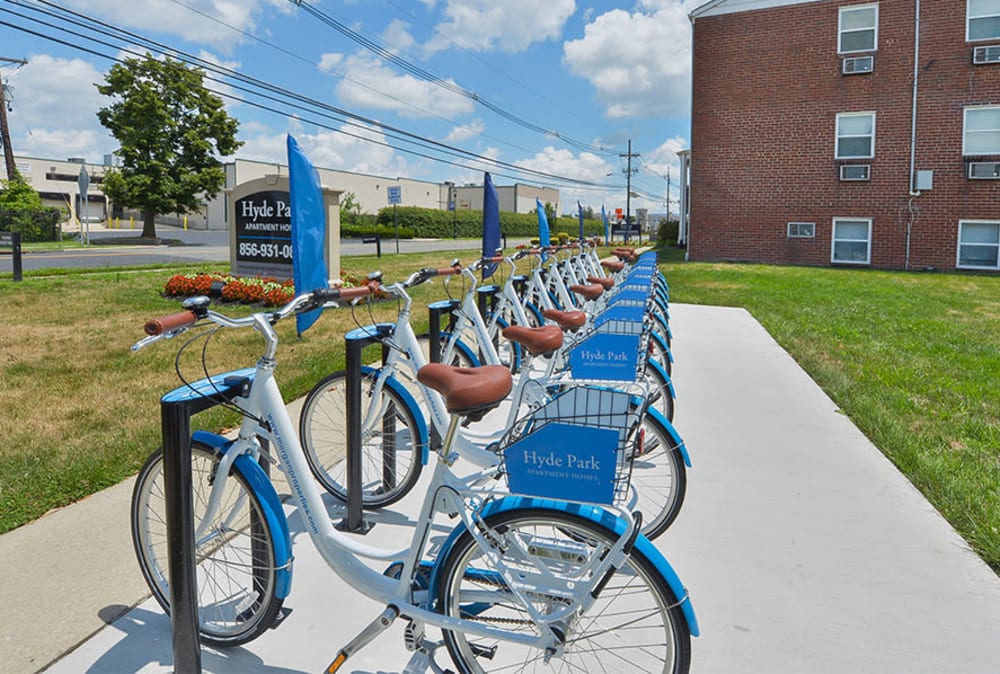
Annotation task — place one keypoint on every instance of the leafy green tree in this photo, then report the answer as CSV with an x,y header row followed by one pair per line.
x,y
171,129
21,210
350,208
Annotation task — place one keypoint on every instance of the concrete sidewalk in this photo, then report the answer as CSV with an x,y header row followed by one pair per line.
x,y
804,549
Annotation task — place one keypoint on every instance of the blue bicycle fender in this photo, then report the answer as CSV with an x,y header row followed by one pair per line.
x,y
515,348
464,349
675,437
269,503
656,365
663,344
418,416
607,520
532,309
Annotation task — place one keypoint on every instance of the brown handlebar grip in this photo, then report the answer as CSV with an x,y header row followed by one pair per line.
x,y
448,271
357,291
495,258
157,326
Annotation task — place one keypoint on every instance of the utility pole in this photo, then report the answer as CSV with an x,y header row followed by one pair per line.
x,y
8,151
628,190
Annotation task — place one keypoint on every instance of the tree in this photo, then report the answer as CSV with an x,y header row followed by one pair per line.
x,y
21,210
170,128
350,208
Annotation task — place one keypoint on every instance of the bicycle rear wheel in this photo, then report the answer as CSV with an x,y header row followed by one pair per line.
x,y
236,572
636,624
390,446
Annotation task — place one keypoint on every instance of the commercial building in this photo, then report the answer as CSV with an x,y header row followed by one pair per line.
x,y
832,132
58,183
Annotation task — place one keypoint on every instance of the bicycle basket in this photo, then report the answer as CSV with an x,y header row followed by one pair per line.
x,y
576,447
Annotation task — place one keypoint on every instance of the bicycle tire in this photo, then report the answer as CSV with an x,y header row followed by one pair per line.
x,y
391,461
635,626
236,574
662,398
658,479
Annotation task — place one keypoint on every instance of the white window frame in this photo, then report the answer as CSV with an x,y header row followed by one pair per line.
x,y
965,132
798,228
840,28
837,136
968,24
834,240
958,247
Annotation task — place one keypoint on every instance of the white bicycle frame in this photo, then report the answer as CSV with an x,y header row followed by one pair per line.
x,y
447,492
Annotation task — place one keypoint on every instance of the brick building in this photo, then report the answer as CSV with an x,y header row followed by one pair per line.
x,y
846,132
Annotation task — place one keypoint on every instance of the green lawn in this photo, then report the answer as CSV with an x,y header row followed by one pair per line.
x,y
912,358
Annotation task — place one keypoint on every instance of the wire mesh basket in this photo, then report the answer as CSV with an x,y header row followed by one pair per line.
x,y
576,447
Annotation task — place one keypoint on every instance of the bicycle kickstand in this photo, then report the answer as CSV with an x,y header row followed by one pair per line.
x,y
375,628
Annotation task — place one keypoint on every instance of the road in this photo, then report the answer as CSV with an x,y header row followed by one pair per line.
x,y
192,246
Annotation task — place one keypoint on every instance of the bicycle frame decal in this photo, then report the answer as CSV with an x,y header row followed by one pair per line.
x,y
564,461
270,502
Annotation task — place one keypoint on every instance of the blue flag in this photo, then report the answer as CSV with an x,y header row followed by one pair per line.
x,y
604,216
543,224
308,229
491,224
579,209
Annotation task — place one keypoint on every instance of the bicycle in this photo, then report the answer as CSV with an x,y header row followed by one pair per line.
x,y
395,437
521,581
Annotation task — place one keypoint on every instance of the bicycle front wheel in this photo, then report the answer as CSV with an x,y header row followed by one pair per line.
x,y
636,624
390,443
236,574
658,478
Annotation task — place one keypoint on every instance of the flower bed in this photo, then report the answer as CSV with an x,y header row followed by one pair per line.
x,y
244,289
269,292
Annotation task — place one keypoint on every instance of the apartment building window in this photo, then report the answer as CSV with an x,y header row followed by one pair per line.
x,y
982,129
801,230
855,135
857,29
978,244
851,241
983,20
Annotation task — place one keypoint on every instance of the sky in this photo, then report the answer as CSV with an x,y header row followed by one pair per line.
x,y
539,92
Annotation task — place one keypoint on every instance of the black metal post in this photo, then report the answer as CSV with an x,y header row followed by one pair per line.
x,y
176,429
176,409
355,342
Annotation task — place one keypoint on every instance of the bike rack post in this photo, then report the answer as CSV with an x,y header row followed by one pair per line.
x,y
176,409
355,341
436,310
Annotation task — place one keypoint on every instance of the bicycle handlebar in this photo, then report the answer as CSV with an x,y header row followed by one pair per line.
x,y
172,324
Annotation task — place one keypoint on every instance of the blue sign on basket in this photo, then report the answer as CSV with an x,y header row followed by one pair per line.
x,y
629,295
565,462
606,356
621,312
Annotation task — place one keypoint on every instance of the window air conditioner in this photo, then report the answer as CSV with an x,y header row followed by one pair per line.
x,y
856,65
986,54
855,172
984,170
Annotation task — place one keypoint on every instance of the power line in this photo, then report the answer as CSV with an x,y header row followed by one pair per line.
x,y
420,73
286,96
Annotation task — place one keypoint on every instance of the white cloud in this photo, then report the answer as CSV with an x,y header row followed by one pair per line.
x,y
465,131
585,166
55,110
510,26
368,82
351,148
184,18
649,74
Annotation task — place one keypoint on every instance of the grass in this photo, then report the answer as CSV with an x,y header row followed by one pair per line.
x,y
911,358
80,412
